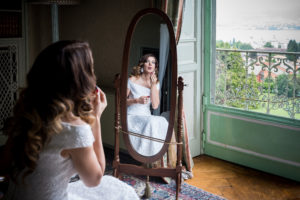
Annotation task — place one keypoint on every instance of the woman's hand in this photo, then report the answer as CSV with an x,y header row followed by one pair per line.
x,y
99,102
153,78
143,99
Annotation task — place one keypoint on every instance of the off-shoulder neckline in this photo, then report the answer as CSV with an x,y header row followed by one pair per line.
x,y
140,85
74,125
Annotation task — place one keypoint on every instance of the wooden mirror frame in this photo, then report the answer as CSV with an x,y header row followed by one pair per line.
x,y
121,111
124,79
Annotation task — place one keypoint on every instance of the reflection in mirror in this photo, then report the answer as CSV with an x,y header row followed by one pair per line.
x,y
148,88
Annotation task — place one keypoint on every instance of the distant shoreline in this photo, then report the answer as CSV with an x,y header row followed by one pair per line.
x,y
257,38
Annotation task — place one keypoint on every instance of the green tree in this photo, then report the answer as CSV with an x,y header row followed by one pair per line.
x,y
246,46
242,46
237,83
234,44
292,47
223,45
284,86
268,45
266,83
220,96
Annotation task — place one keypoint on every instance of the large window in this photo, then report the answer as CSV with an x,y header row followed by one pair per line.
x,y
257,57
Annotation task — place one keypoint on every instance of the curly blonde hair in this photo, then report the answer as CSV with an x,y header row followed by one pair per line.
x,y
136,70
61,80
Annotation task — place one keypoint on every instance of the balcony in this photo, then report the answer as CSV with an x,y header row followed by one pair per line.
x,y
259,81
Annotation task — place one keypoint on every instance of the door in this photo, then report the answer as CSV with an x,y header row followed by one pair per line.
x,y
189,67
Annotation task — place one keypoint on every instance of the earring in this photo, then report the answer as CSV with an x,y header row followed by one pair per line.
x,y
142,70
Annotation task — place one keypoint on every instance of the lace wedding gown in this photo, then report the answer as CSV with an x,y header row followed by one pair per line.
x,y
50,180
140,120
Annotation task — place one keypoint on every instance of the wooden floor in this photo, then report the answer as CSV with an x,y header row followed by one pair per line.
x,y
237,182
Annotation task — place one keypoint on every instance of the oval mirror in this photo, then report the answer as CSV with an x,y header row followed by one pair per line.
x,y
148,85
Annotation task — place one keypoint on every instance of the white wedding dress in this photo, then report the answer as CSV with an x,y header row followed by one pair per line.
x,y
140,120
50,180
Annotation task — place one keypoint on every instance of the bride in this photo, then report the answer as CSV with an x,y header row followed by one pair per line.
x,y
55,132
142,93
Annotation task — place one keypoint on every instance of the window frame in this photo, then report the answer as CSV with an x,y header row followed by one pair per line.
x,y
209,46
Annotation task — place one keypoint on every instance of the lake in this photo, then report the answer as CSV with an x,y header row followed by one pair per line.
x,y
257,38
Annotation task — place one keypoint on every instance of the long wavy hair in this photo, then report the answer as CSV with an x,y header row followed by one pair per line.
x,y
137,70
61,80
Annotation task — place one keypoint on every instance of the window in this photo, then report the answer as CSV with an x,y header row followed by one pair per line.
x,y
257,56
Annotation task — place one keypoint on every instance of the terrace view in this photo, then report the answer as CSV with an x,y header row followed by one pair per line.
x,y
259,68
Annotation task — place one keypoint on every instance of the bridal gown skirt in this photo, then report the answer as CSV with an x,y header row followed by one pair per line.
x,y
147,125
110,188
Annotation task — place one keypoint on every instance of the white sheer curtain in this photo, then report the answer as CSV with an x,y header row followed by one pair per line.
x,y
164,45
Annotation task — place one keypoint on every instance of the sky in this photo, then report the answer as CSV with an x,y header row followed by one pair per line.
x,y
248,13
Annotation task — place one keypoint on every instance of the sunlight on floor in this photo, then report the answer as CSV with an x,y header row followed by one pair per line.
x,y
237,182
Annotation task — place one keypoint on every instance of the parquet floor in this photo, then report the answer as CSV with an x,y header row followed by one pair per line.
x,y
235,182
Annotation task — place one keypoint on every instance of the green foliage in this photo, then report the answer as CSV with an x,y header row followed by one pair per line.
x,y
233,45
231,78
292,47
284,86
235,62
220,85
235,87
266,83
236,75
242,46
268,45
223,45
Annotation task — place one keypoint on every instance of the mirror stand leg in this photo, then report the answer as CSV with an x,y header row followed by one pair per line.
x,y
179,136
147,193
116,173
178,184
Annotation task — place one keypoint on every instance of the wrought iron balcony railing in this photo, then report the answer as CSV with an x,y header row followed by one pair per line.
x,y
261,81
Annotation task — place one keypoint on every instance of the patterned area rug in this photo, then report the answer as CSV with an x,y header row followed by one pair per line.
x,y
168,191
159,189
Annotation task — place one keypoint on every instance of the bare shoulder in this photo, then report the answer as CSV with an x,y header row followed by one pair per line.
x,y
77,121
133,78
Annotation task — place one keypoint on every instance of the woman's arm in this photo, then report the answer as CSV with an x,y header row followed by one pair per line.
x,y
130,101
154,91
87,165
141,100
89,162
98,145
154,96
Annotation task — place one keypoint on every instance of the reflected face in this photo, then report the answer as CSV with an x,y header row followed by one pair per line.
x,y
149,65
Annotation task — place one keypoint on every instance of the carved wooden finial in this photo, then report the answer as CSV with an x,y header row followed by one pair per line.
x,y
180,83
117,80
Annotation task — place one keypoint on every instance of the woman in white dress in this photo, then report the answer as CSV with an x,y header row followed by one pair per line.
x,y
143,92
55,131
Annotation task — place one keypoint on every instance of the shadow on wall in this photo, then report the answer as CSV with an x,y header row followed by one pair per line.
x,y
104,25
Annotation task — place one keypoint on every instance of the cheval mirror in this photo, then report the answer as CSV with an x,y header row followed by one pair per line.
x,y
147,130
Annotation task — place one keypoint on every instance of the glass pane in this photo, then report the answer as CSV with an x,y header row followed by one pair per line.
x,y
257,56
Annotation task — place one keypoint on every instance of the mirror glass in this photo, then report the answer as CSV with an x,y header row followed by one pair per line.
x,y
149,85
